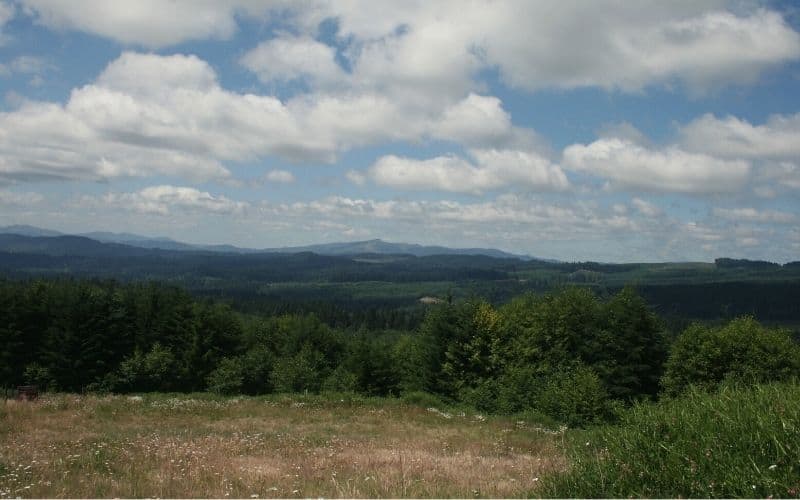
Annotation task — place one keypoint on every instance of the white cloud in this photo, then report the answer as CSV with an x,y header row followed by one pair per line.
x,y
475,120
785,173
436,48
563,220
731,137
747,214
150,23
279,176
165,200
30,65
151,75
562,44
646,208
670,169
356,177
773,147
147,114
288,58
492,169
22,199
7,13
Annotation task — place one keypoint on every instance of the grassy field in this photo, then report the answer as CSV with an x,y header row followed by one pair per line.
x,y
734,443
202,446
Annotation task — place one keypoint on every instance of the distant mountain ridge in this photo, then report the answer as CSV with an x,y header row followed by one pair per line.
x,y
378,246
341,249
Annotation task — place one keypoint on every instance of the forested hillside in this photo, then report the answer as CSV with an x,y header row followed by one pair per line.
x,y
381,291
568,354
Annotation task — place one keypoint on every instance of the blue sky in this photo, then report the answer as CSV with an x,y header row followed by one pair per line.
x,y
611,131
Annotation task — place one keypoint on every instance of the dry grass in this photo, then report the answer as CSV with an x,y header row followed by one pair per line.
x,y
198,446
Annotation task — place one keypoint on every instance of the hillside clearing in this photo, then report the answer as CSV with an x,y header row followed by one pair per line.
x,y
202,446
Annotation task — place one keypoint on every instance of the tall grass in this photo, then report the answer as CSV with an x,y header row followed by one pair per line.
x,y
733,443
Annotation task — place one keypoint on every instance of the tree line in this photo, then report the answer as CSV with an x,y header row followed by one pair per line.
x,y
566,354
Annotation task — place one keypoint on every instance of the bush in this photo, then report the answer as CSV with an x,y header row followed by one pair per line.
x,y
423,399
737,442
340,380
153,371
36,374
227,378
575,397
741,351
303,372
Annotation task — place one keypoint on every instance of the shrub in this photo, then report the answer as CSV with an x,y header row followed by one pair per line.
x,y
153,371
227,378
423,399
742,350
575,397
340,380
303,372
36,374
737,442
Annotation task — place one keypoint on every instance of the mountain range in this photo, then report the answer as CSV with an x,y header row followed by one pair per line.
x,y
66,241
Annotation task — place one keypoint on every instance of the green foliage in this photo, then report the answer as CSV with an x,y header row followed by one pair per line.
x,y
257,364
303,372
742,351
423,399
575,397
414,364
738,442
151,371
341,380
227,377
566,354
36,374
629,349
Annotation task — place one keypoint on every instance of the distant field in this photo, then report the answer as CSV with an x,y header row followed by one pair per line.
x,y
200,446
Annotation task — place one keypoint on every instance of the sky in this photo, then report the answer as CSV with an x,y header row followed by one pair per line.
x,y
574,130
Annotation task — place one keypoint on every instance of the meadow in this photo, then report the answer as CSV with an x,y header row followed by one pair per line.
x,y
200,445
734,442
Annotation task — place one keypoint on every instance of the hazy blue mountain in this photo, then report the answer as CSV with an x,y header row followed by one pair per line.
x,y
64,245
374,247
25,230
385,247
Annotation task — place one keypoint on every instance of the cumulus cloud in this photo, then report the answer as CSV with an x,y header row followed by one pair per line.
x,y
646,208
279,176
670,169
513,210
356,177
165,200
562,44
492,169
150,23
480,120
148,114
773,147
747,214
732,137
431,47
23,199
7,13
288,58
